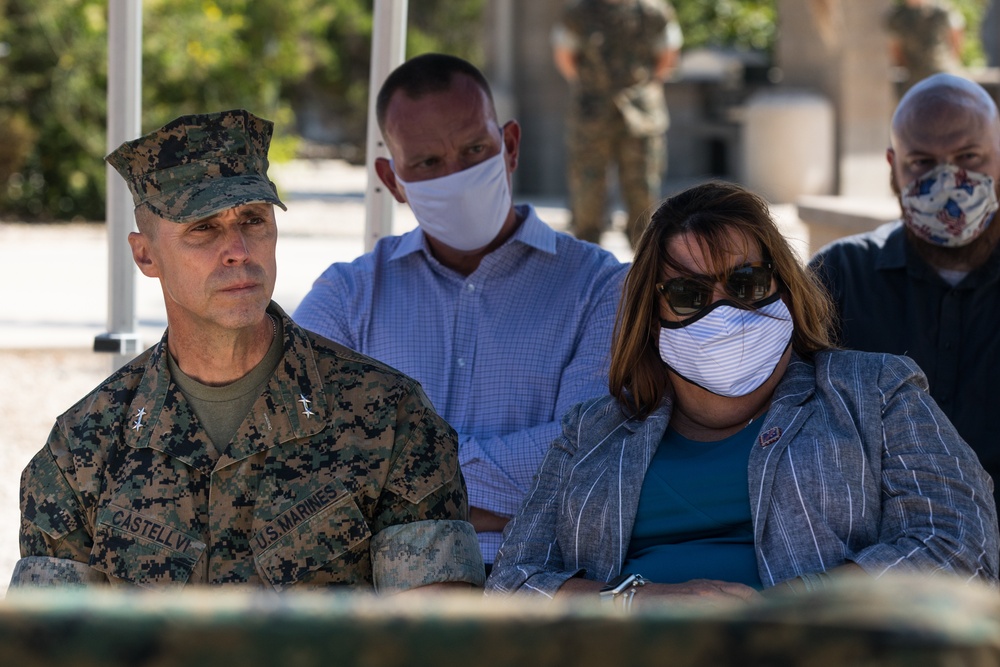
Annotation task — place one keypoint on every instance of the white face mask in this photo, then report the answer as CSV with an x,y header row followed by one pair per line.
x,y
464,210
727,350
949,206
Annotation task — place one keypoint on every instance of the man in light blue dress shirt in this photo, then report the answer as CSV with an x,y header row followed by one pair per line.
x,y
505,322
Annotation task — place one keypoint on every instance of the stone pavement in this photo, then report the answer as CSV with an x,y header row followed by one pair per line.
x,y
55,300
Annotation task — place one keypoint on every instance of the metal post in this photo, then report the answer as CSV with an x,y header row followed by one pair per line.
x,y
500,57
124,112
388,52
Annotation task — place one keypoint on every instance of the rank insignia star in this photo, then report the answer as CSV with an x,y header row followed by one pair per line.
x,y
137,424
305,406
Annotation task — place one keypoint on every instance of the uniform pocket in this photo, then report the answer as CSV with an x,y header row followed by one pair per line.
x,y
142,549
309,535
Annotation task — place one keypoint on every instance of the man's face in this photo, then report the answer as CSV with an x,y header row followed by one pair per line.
x,y
216,273
958,134
444,133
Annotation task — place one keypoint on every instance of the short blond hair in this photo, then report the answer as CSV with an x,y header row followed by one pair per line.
x,y
146,220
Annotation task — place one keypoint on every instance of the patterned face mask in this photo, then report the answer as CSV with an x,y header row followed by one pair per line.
x,y
464,210
949,206
727,350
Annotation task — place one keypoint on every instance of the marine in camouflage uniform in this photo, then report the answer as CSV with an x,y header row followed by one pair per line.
x,y
340,474
619,52
924,39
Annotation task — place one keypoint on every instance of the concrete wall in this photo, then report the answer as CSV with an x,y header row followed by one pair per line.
x,y
839,48
539,95
990,33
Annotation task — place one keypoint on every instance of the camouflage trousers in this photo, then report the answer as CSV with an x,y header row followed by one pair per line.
x,y
592,146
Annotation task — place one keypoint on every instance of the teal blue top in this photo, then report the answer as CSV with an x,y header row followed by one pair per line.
x,y
693,520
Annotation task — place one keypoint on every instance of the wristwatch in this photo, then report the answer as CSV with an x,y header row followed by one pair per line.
x,y
622,588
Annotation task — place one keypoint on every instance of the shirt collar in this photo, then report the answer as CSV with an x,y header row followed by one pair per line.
x,y
292,406
798,383
896,253
532,232
893,254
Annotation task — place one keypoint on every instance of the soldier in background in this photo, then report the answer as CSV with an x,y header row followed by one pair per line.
x,y
925,38
240,449
616,55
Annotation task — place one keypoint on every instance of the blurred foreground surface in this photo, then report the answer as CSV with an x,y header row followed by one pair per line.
x,y
912,622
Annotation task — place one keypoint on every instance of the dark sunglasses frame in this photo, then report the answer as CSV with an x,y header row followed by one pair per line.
x,y
688,296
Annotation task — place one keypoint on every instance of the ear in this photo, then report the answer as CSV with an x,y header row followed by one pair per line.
x,y
512,142
141,255
388,178
890,156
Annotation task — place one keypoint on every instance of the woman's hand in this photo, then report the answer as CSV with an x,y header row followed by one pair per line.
x,y
701,592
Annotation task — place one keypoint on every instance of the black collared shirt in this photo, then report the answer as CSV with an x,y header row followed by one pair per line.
x,y
890,300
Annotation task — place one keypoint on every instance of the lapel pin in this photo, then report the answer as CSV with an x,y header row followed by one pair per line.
x,y
770,436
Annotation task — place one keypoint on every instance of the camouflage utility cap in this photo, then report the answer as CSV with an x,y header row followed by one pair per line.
x,y
198,165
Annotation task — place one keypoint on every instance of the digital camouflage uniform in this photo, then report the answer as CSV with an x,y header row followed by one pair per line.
x,y
923,34
342,474
618,112
198,165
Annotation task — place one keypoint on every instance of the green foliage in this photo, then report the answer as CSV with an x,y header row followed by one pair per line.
x,y
972,47
740,24
55,75
752,24
343,54
198,55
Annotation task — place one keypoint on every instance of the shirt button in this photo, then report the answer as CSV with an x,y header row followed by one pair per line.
x,y
461,363
470,287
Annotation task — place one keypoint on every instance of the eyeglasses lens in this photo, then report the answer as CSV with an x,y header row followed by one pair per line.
x,y
749,284
686,296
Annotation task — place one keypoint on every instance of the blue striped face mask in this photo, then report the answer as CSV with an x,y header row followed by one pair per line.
x,y
726,349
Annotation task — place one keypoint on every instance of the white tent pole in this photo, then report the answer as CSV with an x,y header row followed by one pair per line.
x,y
388,52
124,111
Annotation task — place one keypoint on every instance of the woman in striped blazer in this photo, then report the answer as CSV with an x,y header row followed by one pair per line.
x,y
738,450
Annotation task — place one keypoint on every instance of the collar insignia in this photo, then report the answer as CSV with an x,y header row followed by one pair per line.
x,y
305,406
137,424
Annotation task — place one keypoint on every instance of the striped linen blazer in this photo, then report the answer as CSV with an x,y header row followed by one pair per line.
x,y
854,463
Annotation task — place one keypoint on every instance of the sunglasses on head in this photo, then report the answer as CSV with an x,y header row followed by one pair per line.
x,y
748,283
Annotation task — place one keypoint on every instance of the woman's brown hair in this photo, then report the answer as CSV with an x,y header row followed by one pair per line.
x,y
709,212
